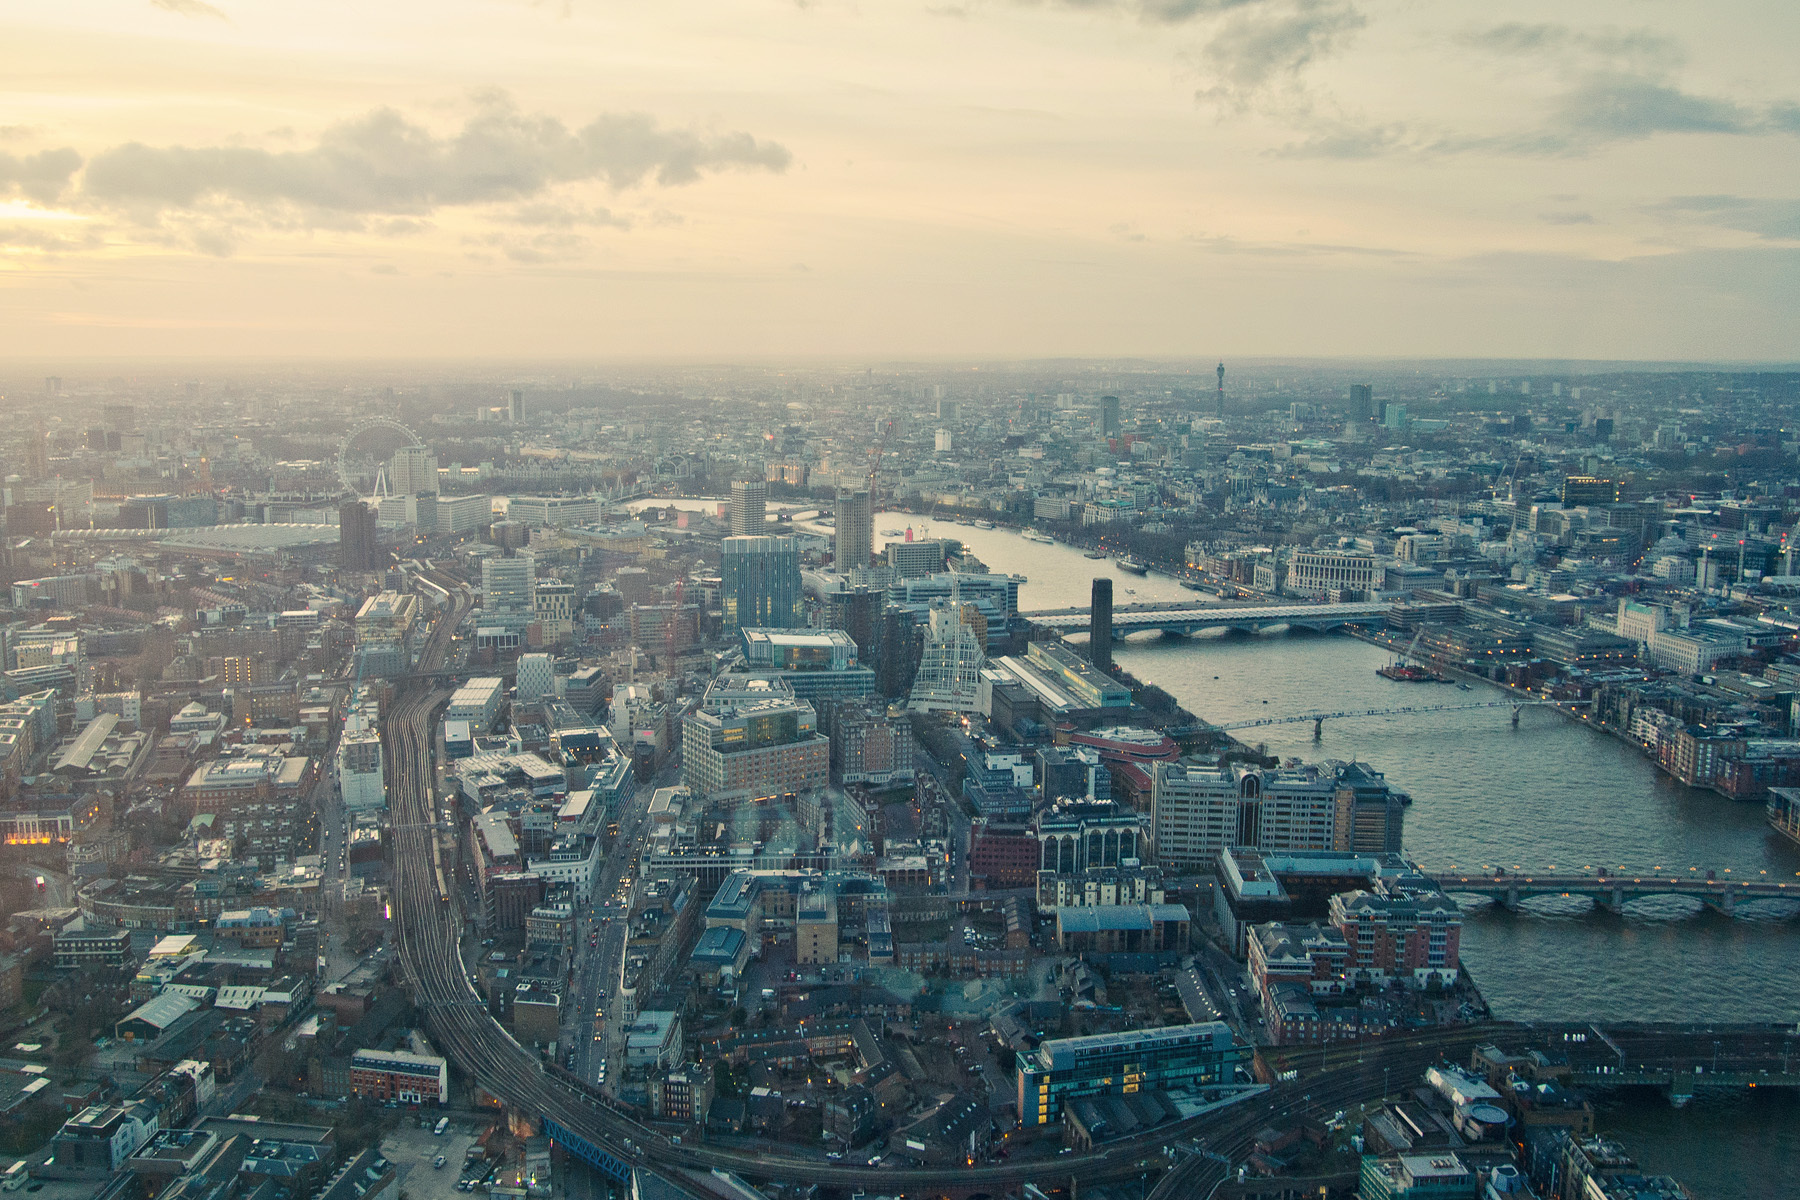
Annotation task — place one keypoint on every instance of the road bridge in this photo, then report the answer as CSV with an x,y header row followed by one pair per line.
x,y
1611,890
1179,617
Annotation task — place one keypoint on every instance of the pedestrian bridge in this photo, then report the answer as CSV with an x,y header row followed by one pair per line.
x,y
1184,618
1612,890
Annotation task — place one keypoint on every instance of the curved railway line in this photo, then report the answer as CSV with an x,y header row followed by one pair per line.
x,y
427,929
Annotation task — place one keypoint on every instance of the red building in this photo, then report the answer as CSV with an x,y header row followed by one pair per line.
x,y
1004,856
1123,744
1406,930
1313,957
399,1075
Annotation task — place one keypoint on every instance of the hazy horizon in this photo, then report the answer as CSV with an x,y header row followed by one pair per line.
x,y
993,180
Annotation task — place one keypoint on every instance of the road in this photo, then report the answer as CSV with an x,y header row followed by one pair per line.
x,y
597,968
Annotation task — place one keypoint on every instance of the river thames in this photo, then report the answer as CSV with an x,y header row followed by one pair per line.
x,y
1549,792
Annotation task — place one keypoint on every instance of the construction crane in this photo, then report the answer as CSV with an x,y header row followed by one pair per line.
x,y
887,431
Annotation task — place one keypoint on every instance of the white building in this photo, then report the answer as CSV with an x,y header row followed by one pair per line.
x,y
413,470
463,514
1198,811
477,702
1316,572
949,678
555,512
509,584
360,773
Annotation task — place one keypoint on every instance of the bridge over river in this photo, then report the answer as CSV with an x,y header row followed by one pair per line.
x,y
1181,618
1611,890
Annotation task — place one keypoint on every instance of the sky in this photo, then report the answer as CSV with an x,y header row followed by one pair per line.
x,y
882,179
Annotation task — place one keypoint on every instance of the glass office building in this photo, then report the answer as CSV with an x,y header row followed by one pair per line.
x,y
760,583
1172,1058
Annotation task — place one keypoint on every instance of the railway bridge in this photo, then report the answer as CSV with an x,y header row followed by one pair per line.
x,y
1611,890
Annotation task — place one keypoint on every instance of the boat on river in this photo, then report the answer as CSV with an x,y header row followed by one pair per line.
x,y
1032,535
1094,554
1127,563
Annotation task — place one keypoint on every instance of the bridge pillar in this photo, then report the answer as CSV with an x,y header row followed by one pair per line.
x,y
1517,709
1318,729
1614,901
1681,1088
1511,901
1725,902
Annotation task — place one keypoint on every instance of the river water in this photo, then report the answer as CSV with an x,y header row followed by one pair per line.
x,y
1546,793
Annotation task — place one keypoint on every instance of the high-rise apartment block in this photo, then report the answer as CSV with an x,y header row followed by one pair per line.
x,y
760,583
413,471
749,506
854,540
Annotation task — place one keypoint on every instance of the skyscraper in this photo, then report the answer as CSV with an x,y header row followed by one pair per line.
x,y
1362,402
858,613
1100,625
760,583
1109,416
357,547
854,540
515,407
1221,397
749,500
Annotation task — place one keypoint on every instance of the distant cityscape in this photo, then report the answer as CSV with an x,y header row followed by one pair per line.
x,y
640,782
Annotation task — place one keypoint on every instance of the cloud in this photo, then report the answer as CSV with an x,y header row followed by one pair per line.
x,y
1256,49
1641,47
1614,85
383,164
547,247
565,216
1607,108
1345,138
1770,220
1566,218
42,177
52,238
189,8
1151,12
